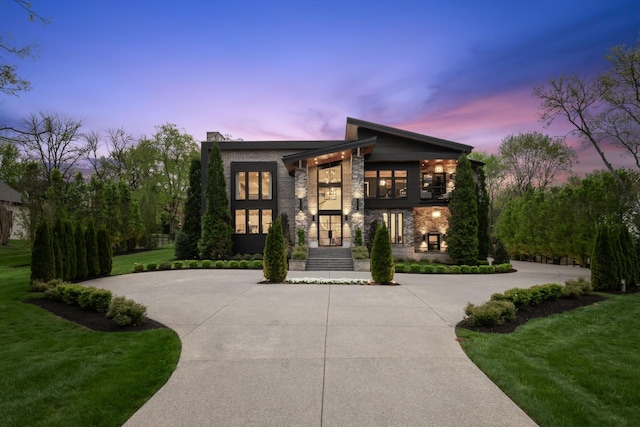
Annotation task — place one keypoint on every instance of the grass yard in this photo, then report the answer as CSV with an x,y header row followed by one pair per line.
x,y
56,373
579,368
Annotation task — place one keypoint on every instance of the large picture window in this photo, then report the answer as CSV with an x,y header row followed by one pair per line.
x,y
253,186
394,225
330,188
253,221
385,184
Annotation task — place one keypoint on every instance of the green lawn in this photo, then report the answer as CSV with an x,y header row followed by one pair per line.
x,y
575,369
55,373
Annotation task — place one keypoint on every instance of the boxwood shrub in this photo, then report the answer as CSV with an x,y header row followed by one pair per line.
x,y
491,313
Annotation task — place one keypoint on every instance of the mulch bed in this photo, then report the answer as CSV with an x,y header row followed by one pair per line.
x,y
547,308
89,319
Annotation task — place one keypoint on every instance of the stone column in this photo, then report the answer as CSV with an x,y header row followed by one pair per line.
x,y
302,198
357,193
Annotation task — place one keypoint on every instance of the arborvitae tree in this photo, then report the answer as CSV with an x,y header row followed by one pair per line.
x,y
42,257
357,240
216,242
63,247
105,252
604,266
275,254
484,234
192,213
371,235
628,260
501,255
93,263
462,235
286,231
183,246
57,252
382,266
70,250
82,271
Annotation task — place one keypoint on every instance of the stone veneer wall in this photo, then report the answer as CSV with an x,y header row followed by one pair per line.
x,y
425,223
285,183
406,248
312,197
347,191
356,217
302,218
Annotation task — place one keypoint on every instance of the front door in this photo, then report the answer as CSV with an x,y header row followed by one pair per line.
x,y
330,230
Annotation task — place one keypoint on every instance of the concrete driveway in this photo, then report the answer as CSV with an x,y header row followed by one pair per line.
x,y
319,355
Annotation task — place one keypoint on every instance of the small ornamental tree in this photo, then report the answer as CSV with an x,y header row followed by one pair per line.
x,y
501,255
462,235
216,242
93,263
42,258
82,271
274,264
357,240
105,252
382,266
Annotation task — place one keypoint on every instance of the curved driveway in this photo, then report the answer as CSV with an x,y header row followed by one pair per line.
x,y
318,355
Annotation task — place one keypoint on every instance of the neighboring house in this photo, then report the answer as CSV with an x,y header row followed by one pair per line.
x,y
330,188
11,200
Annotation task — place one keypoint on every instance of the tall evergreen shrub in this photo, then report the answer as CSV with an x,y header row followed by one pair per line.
x,y
216,242
93,263
82,271
71,250
274,263
63,263
192,228
605,273
484,233
183,246
105,252
462,235
382,266
501,255
42,257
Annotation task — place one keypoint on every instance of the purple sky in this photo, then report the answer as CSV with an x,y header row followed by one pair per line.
x,y
259,70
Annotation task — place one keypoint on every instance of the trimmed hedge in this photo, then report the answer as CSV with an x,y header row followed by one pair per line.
x,y
491,313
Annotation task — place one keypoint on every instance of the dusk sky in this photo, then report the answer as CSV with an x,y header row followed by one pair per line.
x,y
461,70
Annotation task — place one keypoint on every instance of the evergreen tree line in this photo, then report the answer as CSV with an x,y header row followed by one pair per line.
x,y
70,252
563,221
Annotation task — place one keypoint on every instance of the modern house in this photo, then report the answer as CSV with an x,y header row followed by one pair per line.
x,y
330,188
11,200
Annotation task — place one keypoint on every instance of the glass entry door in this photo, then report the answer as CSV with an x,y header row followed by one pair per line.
x,y
330,230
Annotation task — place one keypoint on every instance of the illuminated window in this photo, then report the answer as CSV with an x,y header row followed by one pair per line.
x,y
266,186
266,220
241,221
385,184
254,221
241,185
254,185
394,225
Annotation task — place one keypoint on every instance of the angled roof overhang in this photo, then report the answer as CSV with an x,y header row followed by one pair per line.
x,y
354,124
340,151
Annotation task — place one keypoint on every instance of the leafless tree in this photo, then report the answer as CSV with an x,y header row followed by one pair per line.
x,y
53,141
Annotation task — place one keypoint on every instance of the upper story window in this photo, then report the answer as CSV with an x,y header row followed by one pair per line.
x,y
330,187
253,186
385,184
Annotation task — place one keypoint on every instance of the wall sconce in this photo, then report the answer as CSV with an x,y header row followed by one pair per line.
x,y
439,169
313,218
346,218
436,214
358,205
300,203
424,237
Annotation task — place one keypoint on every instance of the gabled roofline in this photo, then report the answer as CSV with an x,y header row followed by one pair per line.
x,y
409,135
274,145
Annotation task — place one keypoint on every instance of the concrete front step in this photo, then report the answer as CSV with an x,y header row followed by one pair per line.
x,y
326,264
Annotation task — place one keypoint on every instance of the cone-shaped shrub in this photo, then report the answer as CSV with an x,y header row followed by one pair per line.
x,y
62,251
82,270
93,263
183,246
274,265
42,258
501,256
382,266
105,254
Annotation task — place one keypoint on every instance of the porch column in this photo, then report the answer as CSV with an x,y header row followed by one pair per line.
x,y
357,192
302,200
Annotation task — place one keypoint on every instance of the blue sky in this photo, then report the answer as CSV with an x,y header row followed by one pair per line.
x,y
262,70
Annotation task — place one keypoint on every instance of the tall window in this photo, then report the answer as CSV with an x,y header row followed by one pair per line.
x,y
253,186
394,225
253,221
330,188
385,184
